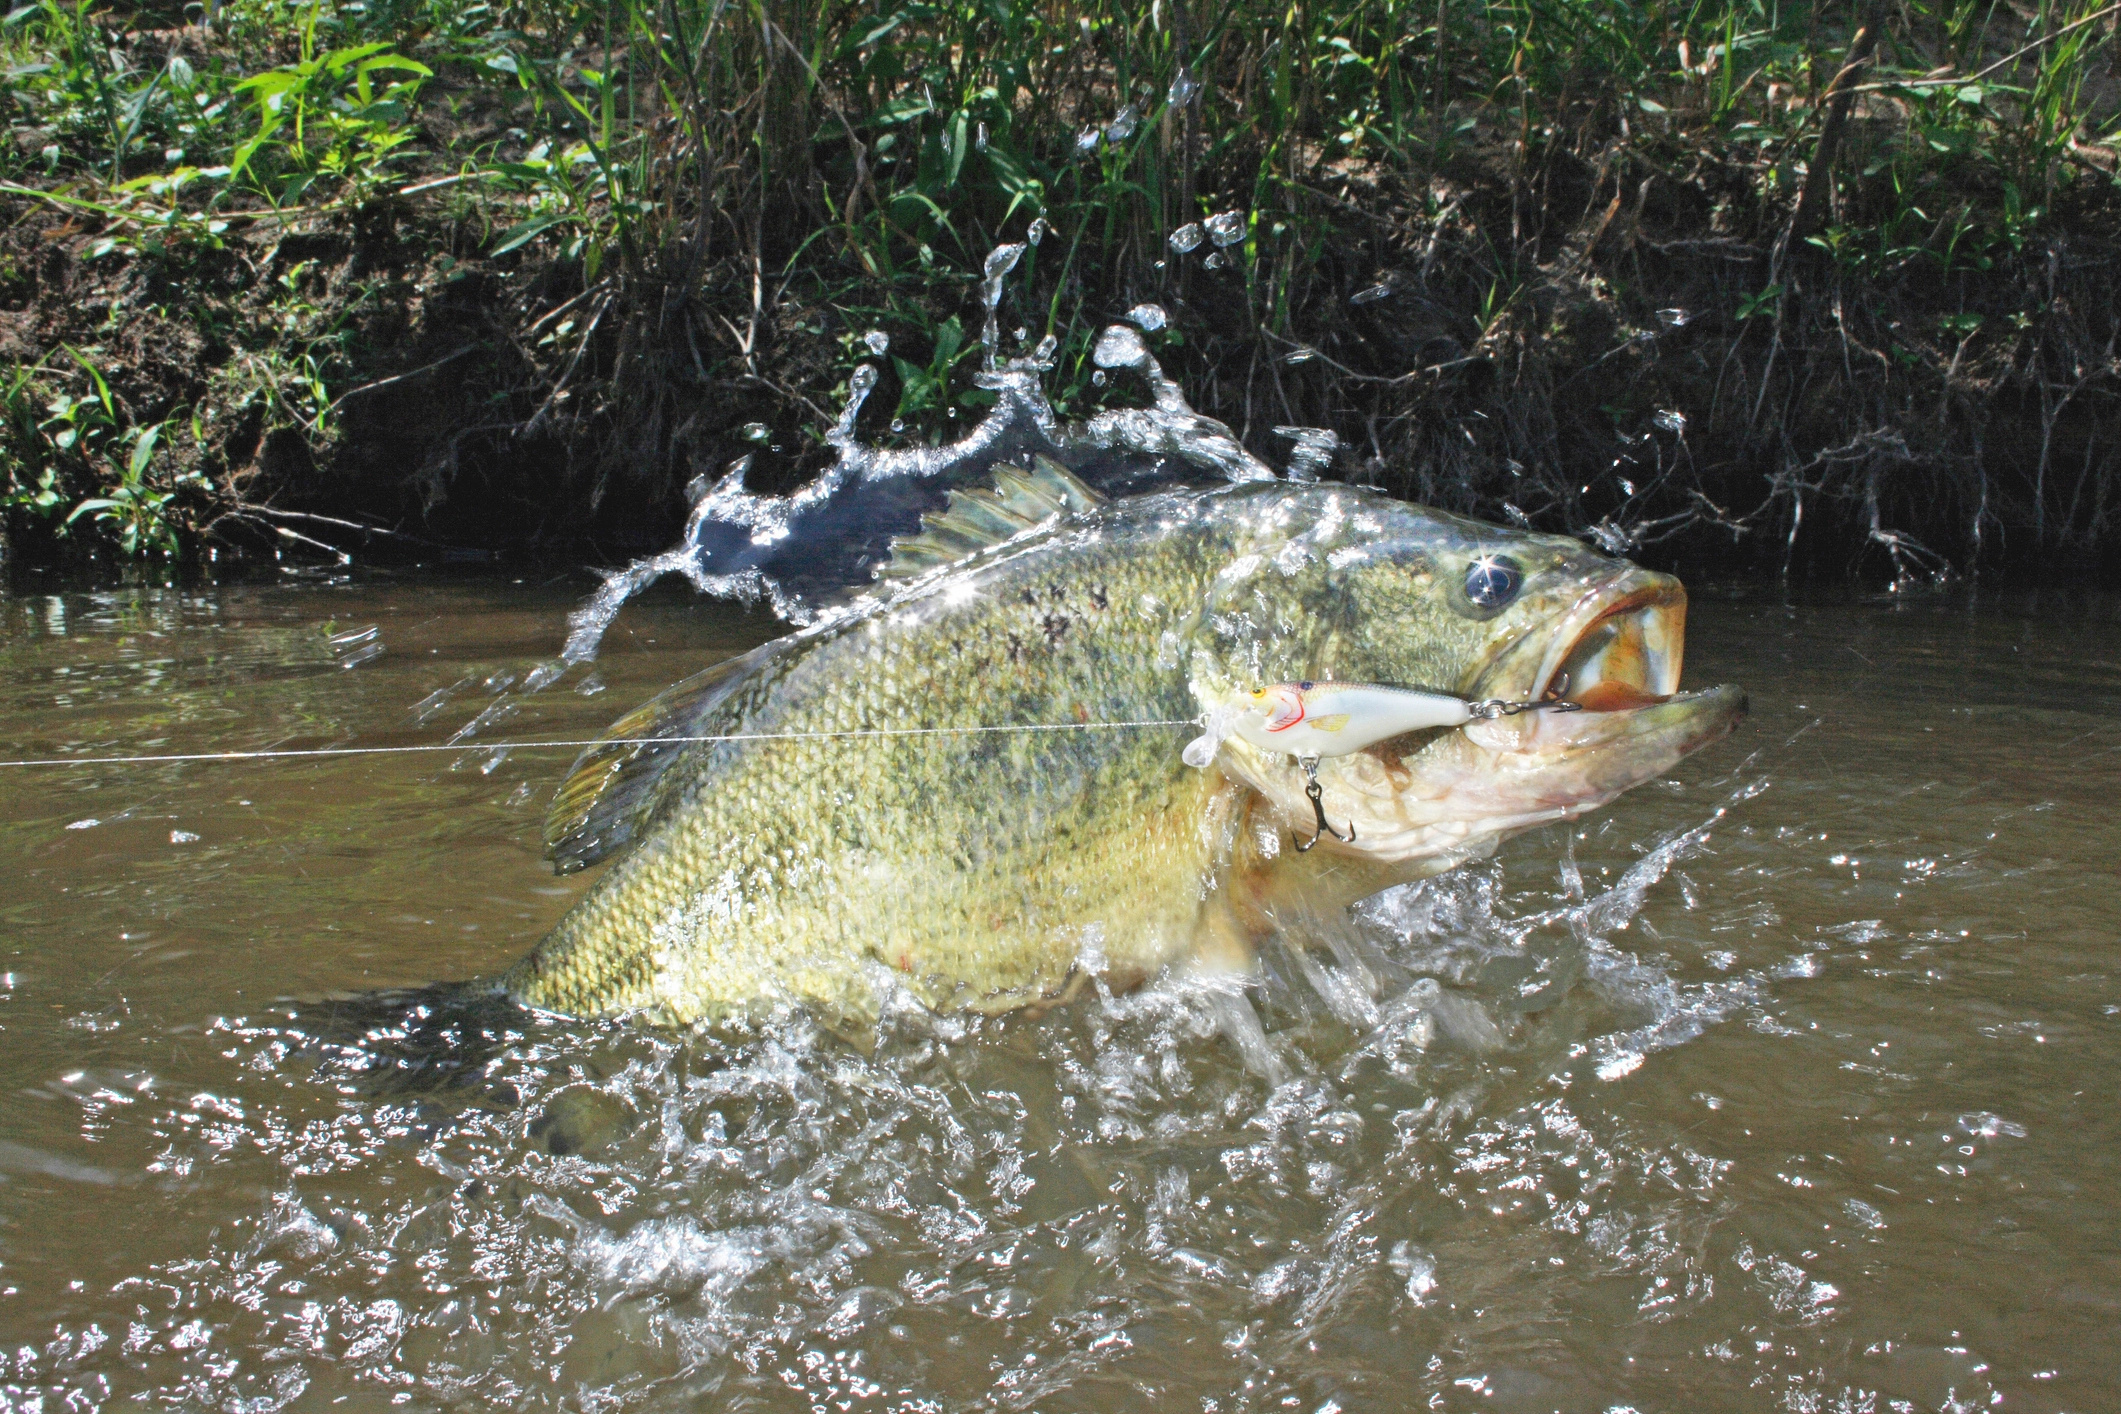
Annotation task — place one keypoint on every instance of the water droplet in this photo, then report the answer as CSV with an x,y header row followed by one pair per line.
x,y
1120,347
1148,316
755,432
1123,124
1038,231
1043,354
1097,379
1002,259
774,448
898,424
1183,88
1216,260
1673,318
878,341
1627,486
1300,355
980,142
1372,295
1087,140
1022,333
1226,228
1671,421
1186,238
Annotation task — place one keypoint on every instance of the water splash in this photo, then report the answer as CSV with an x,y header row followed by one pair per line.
x,y
1313,453
807,551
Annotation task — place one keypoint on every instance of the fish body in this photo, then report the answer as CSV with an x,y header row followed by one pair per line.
x,y
886,828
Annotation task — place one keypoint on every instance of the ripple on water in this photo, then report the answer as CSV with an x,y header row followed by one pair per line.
x,y
1725,1098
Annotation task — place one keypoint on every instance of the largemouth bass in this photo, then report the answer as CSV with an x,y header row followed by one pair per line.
x,y
872,833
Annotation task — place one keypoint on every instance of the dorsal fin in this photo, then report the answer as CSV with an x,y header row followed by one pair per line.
x,y
616,787
979,518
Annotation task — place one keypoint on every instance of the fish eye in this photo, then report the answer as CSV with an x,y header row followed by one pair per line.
x,y
1493,581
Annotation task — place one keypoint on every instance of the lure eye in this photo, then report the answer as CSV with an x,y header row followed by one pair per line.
x,y
1493,581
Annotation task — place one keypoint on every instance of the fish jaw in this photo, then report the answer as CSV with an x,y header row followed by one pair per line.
x,y
1427,805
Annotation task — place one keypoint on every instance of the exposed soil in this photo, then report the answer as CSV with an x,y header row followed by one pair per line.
x,y
1883,418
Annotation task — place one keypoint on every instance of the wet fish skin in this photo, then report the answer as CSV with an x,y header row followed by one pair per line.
x,y
983,870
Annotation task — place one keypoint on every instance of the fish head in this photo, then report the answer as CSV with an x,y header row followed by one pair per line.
x,y
1336,584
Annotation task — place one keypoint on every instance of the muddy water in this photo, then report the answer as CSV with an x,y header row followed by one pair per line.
x,y
1785,1083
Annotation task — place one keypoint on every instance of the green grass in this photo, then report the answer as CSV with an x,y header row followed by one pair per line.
x,y
713,156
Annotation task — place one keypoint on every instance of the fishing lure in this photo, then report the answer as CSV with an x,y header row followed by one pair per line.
x,y
1314,720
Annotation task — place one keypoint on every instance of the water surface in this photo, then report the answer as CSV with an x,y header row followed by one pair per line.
x,y
1783,1083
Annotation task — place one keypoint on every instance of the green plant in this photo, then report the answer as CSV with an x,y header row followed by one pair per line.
x,y
137,515
324,115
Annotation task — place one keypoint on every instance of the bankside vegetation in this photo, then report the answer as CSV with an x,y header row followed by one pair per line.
x,y
1819,278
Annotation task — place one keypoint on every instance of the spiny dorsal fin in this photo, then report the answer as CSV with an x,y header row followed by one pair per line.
x,y
616,787
977,519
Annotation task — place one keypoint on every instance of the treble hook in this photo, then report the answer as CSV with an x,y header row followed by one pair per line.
x,y
1316,794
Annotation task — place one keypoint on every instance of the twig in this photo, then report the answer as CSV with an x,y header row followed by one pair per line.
x,y
2011,58
246,509
1840,95
588,336
335,403
561,308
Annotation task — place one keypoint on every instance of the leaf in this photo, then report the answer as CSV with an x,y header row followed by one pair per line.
x,y
863,43
399,62
338,59
273,81
525,231
954,145
143,452
900,110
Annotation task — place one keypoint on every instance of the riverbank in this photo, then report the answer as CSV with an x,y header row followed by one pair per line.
x,y
1830,289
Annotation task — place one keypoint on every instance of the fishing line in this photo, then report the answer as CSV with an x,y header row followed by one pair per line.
x,y
291,753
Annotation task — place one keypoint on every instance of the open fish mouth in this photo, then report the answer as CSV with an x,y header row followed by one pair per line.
x,y
1618,648
1616,651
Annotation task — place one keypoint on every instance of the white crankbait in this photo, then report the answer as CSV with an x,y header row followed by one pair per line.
x,y
1337,718
1314,720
